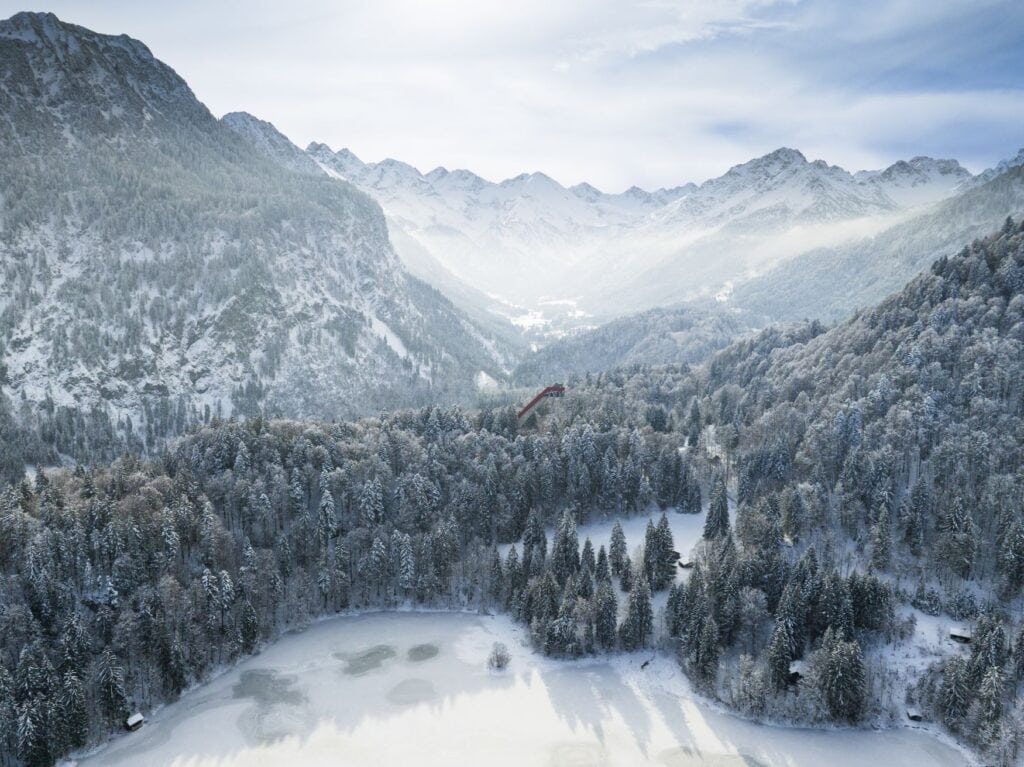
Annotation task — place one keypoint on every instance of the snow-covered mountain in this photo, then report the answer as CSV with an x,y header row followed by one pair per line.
x,y
781,186
502,238
579,255
154,265
831,283
487,313
919,181
528,238
755,216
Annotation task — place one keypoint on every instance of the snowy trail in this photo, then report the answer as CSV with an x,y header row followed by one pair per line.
x,y
413,688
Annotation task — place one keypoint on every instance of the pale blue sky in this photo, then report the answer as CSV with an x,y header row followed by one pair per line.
x,y
653,93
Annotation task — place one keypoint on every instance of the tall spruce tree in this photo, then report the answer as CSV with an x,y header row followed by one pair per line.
x,y
617,551
716,525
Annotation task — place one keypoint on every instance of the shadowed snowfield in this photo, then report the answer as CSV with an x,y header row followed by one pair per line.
x,y
413,689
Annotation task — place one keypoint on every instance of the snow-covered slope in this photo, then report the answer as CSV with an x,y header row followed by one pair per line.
x,y
781,186
917,182
270,142
831,283
488,314
154,266
499,237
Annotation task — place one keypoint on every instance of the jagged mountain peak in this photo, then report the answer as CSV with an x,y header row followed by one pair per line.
x,y
922,164
783,156
637,193
459,180
536,178
1003,166
79,86
778,167
268,140
46,29
586,191
247,119
917,182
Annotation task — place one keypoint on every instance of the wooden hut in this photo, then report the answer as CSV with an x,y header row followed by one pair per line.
x,y
134,722
960,634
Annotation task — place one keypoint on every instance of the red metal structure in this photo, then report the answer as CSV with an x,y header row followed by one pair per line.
x,y
555,390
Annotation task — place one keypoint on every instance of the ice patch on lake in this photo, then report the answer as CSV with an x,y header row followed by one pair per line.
x,y
423,652
367,660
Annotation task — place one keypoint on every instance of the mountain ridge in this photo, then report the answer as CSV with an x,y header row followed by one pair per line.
x,y
158,271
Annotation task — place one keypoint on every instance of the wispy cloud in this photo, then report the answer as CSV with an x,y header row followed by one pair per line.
x,y
655,92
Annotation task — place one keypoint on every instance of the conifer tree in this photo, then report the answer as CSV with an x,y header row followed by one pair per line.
x,y
842,678
565,555
716,525
371,503
779,654
707,651
665,566
955,693
880,541
606,615
250,628
638,624
602,572
110,686
617,552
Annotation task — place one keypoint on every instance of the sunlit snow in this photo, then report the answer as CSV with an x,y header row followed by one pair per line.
x,y
414,689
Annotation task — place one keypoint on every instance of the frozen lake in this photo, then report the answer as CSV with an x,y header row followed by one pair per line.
x,y
413,689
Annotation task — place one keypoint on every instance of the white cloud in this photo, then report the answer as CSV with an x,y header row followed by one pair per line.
x,y
656,92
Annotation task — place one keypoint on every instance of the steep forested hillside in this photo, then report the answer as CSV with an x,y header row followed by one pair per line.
x,y
832,283
856,481
890,445
685,334
155,271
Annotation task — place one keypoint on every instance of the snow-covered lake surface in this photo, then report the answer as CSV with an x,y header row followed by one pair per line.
x,y
413,689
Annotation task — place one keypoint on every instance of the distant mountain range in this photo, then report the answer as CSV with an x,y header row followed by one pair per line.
x,y
531,247
529,237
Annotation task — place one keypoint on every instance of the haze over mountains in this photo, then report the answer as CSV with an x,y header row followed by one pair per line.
x,y
532,222
573,256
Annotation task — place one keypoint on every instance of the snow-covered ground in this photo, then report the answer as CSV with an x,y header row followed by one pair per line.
x,y
414,689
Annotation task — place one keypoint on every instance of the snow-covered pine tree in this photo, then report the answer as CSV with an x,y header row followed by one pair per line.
x,y
617,551
716,524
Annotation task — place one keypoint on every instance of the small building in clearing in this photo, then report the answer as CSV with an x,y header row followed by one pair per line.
x,y
960,634
134,722
914,714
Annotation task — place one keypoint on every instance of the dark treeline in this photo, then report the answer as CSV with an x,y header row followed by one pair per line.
x,y
124,585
